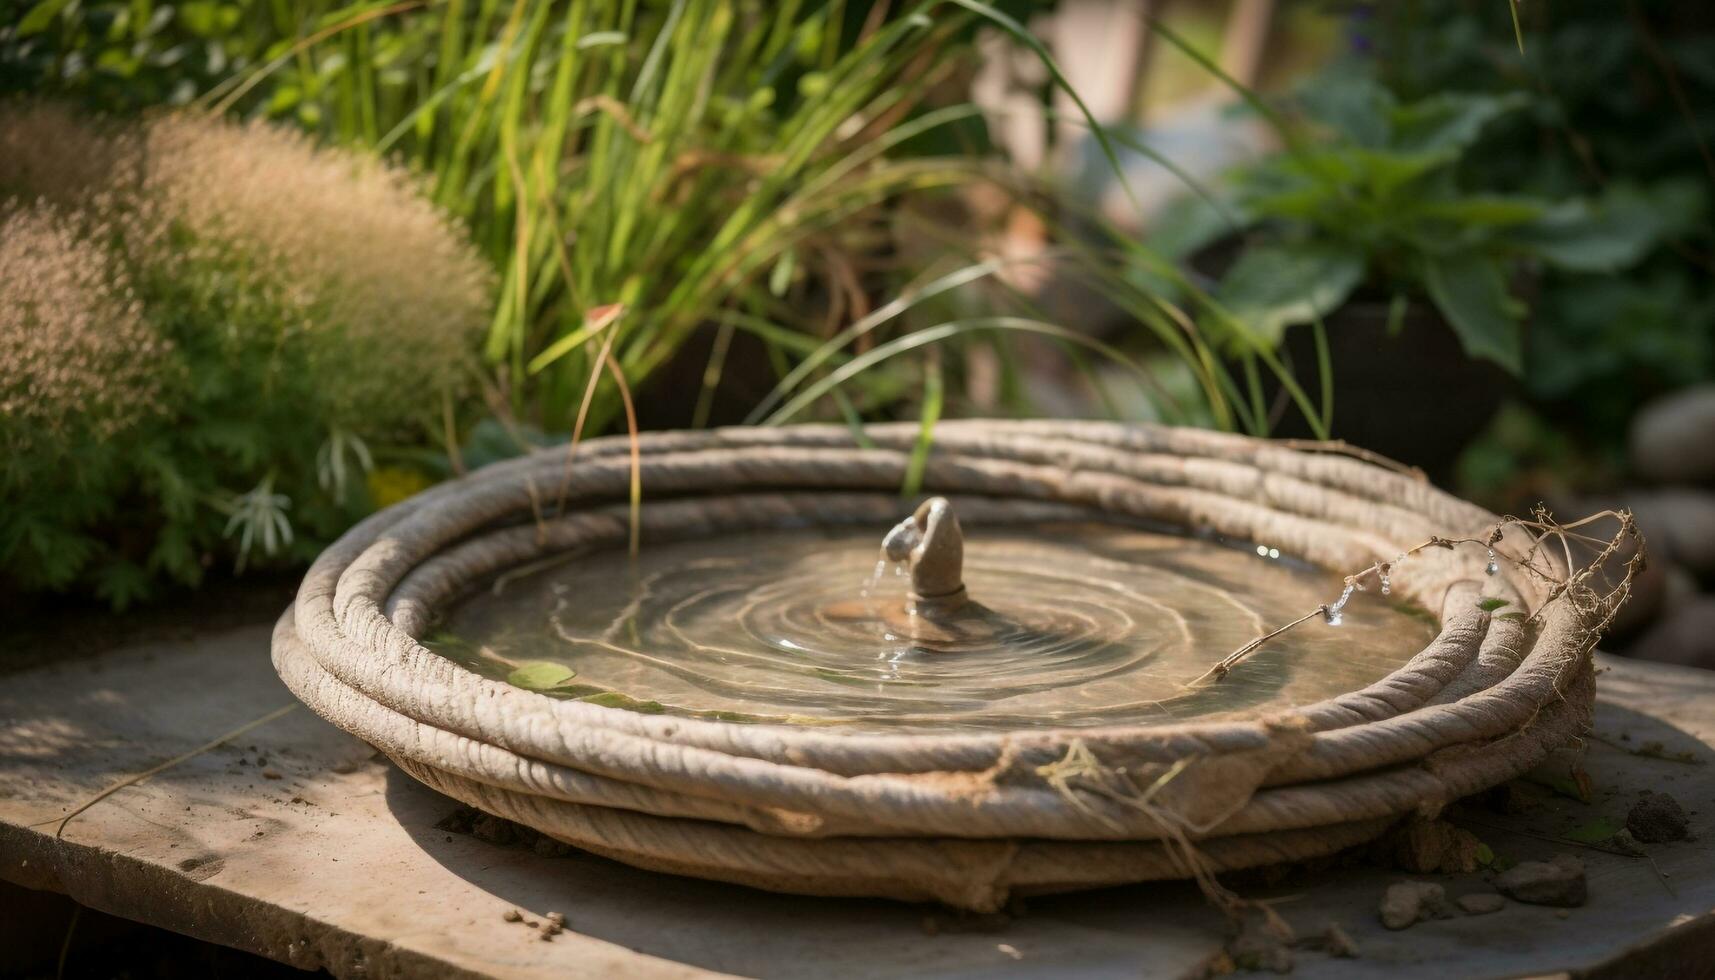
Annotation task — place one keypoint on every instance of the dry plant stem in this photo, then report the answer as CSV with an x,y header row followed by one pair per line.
x,y
1542,523
1231,660
170,763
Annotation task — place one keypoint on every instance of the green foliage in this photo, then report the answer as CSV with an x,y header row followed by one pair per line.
x,y
238,255
1619,107
127,55
1373,193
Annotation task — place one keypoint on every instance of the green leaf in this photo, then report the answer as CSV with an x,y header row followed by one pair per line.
x,y
1186,225
933,394
540,675
1493,210
1471,293
1608,234
1274,286
1354,106
40,16
121,583
780,279
1594,832
1447,124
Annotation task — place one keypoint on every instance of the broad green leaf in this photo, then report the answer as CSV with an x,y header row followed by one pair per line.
x,y
1354,106
40,16
1610,233
1186,225
1471,293
1493,210
1448,123
1272,287
540,675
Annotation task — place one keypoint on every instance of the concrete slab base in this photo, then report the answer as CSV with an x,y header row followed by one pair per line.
x,y
297,842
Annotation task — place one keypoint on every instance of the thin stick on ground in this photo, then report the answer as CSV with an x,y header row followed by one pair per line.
x,y
170,763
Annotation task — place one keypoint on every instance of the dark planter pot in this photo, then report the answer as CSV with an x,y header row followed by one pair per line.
x,y
1414,395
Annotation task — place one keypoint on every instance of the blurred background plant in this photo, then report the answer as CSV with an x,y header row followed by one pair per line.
x,y
197,313
772,210
1477,247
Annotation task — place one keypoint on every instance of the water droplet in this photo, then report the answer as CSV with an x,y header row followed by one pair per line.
x,y
1494,566
1262,551
1335,617
1274,552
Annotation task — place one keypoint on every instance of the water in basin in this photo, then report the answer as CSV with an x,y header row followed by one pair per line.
x,y
1069,625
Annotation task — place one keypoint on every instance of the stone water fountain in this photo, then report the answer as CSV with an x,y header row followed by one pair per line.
x,y
1068,668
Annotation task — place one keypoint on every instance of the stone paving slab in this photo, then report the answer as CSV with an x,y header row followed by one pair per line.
x,y
298,843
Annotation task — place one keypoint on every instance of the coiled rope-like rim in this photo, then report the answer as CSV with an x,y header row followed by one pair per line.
x,y
962,818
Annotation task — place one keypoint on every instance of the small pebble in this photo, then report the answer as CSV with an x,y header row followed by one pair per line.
x,y
1558,882
271,774
557,918
1337,943
1482,903
1409,902
512,915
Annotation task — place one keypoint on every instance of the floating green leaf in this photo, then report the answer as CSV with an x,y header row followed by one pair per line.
x,y
540,675
1594,832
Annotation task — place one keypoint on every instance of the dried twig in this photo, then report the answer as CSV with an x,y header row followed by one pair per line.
x,y
1601,606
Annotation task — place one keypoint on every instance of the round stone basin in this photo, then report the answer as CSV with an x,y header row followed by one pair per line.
x,y
1068,625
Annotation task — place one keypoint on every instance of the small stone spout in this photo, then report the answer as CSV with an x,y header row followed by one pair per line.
x,y
932,547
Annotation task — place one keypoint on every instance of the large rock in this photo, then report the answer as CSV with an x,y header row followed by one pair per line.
x,y
1559,882
1673,438
1681,520
1685,636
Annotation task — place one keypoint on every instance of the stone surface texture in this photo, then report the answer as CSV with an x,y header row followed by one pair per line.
x,y
297,842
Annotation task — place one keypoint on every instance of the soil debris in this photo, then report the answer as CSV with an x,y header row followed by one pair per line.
x,y
1431,847
1514,798
1257,948
1409,902
504,833
1481,903
1657,818
1335,942
959,920
1626,844
1559,882
1656,750
512,915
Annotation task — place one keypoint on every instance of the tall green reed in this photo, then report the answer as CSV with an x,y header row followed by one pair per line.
x,y
690,161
